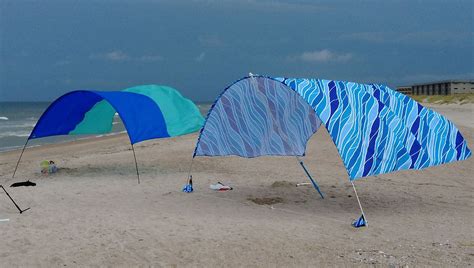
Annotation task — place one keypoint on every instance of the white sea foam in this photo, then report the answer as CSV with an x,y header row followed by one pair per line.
x,y
15,134
9,148
12,148
3,118
111,134
12,126
28,125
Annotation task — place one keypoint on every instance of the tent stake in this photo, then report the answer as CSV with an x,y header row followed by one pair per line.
x,y
361,210
310,178
136,165
19,209
19,159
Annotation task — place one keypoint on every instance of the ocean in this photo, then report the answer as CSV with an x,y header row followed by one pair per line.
x,y
17,120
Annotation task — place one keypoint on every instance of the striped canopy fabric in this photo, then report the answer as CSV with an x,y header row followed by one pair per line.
x,y
148,112
376,130
256,117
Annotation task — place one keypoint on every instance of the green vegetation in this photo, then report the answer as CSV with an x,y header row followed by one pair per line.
x,y
445,99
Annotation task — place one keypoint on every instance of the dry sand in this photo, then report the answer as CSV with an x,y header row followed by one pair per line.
x,y
93,212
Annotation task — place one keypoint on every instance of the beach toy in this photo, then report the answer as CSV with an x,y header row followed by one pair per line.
x,y
48,167
220,187
52,167
44,166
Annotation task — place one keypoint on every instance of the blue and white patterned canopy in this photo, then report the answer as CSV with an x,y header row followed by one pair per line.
x,y
376,130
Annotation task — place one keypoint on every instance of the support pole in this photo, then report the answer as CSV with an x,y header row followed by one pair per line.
x,y
310,178
188,187
19,159
136,165
19,209
13,176
361,210
190,168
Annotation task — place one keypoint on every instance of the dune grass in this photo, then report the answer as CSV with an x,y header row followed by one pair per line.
x,y
445,99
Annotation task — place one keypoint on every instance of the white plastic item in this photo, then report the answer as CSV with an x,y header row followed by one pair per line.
x,y
220,187
303,183
216,186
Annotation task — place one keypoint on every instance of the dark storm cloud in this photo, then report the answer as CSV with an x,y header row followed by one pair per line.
x,y
199,47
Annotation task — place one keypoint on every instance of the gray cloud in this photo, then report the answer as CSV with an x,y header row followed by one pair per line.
x,y
210,40
409,37
200,57
62,62
114,55
303,5
120,56
150,58
324,55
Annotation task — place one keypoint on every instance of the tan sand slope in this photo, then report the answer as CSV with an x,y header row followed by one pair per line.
x,y
93,212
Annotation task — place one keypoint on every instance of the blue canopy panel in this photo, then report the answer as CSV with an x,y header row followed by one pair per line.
x,y
140,114
441,141
257,116
377,130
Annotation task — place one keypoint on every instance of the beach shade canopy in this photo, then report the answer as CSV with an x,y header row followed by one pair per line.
x,y
376,130
148,112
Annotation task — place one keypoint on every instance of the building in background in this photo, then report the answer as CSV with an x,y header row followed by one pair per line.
x,y
407,90
439,88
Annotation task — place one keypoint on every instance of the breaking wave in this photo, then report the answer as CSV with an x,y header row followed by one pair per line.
x,y
15,134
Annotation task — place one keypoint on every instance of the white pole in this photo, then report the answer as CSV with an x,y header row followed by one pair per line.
x,y
362,210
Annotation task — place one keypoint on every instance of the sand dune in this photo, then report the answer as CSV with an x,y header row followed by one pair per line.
x,y
93,212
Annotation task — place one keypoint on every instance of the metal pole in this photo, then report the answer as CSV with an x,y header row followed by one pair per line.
x,y
136,165
18,163
19,209
13,176
361,210
190,168
310,178
189,179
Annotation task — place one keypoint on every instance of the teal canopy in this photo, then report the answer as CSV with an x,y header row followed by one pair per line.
x,y
148,112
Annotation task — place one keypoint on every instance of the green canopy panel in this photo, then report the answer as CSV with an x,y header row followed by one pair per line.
x,y
98,120
181,115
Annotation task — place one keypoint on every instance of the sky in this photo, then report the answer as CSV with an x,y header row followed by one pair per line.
x,y
199,47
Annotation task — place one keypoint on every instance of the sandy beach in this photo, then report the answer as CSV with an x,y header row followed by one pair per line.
x,y
93,212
